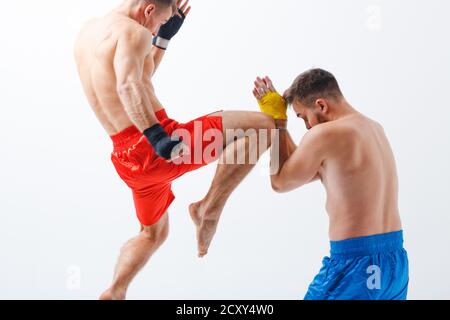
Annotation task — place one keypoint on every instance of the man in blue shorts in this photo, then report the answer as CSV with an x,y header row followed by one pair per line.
x,y
350,154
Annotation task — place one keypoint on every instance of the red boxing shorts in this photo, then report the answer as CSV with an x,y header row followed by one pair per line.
x,y
149,176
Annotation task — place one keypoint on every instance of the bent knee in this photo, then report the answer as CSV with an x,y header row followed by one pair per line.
x,y
263,121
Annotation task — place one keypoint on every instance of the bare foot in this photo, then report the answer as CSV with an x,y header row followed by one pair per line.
x,y
109,295
194,211
206,228
205,235
196,216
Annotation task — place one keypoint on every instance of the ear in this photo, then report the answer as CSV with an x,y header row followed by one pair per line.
x,y
149,10
321,105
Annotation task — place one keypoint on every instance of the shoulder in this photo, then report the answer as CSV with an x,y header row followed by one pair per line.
x,y
326,131
329,136
84,35
134,33
131,33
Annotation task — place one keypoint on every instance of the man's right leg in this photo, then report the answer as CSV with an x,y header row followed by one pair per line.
x,y
134,255
206,213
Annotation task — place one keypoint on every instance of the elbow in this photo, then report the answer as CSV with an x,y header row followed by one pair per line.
x,y
277,186
276,189
284,185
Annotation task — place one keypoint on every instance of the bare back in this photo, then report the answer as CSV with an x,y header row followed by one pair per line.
x,y
95,51
360,178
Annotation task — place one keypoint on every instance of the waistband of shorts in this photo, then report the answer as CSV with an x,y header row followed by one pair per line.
x,y
366,246
124,137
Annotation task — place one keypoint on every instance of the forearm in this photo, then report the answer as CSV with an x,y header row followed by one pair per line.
x,y
291,146
282,148
167,32
135,98
158,55
156,104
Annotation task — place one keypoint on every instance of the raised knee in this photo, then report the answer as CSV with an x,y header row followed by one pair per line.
x,y
266,122
266,126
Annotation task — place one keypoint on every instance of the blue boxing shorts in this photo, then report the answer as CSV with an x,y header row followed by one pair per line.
x,y
367,268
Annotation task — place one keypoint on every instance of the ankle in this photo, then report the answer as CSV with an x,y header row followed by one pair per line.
x,y
213,203
118,292
212,214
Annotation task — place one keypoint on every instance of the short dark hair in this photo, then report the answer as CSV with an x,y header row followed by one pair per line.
x,y
312,85
166,3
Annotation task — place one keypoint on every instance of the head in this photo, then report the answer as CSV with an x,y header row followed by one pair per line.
x,y
154,13
315,97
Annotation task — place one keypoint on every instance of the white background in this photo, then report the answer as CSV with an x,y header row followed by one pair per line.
x,y
65,213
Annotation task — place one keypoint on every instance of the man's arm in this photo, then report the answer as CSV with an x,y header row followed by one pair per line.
x,y
290,144
283,147
129,63
168,31
158,55
131,51
147,80
302,166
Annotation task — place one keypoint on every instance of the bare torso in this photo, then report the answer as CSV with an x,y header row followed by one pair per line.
x,y
360,178
95,51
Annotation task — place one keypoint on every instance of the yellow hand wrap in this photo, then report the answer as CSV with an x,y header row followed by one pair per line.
x,y
274,105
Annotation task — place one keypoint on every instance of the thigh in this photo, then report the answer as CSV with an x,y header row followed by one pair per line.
x,y
204,136
152,204
244,120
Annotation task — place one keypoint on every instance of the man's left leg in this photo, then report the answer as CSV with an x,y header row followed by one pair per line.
x,y
134,256
257,126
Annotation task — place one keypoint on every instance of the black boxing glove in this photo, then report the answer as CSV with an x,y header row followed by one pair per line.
x,y
161,142
169,30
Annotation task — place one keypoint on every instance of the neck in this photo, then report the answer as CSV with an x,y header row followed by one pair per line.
x,y
343,109
130,9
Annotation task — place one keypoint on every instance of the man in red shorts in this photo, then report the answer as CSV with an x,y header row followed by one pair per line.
x,y
116,61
